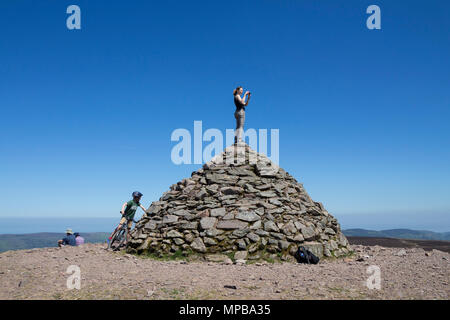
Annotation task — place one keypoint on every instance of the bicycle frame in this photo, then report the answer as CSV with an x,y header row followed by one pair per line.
x,y
120,236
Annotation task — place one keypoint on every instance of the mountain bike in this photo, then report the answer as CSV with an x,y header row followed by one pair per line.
x,y
119,237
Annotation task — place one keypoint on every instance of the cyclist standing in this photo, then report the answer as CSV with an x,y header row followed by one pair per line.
x,y
128,211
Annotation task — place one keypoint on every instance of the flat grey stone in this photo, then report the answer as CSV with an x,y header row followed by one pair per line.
x,y
189,226
169,218
240,255
213,232
216,257
314,247
228,216
198,245
201,194
174,234
253,237
231,190
239,233
248,216
218,212
241,244
270,226
209,241
181,212
261,232
289,228
178,241
283,244
308,232
151,225
207,222
275,202
231,224
267,194
256,225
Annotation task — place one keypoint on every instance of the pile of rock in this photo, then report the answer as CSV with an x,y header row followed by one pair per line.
x,y
240,204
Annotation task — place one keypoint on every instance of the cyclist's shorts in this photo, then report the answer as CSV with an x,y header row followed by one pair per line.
x,y
123,220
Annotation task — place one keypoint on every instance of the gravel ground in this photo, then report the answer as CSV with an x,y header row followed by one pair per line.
x,y
408,273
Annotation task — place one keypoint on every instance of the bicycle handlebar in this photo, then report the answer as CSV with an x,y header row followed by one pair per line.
x,y
123,215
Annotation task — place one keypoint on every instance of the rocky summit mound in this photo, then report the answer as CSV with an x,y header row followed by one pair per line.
x,y
240,204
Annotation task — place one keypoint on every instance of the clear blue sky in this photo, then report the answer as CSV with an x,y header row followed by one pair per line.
x,y
363,114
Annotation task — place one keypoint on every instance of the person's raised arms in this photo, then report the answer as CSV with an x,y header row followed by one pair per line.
x,y
248,98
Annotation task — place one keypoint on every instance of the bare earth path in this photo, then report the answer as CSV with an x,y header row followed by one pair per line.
x,y
41,274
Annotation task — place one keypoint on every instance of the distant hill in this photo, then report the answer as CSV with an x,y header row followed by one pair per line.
x,y
49,239
399,234
43,239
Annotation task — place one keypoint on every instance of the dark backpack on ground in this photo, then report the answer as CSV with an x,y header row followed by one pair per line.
x,y
303,255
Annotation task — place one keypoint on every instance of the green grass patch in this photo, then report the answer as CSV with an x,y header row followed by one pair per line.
x,y
173,293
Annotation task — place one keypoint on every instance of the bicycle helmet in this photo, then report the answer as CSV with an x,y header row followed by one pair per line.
x,y
136,194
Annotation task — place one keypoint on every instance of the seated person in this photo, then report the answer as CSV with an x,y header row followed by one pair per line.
x,y
78,239
69,239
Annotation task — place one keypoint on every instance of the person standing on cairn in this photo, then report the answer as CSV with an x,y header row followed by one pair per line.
x,y
239,114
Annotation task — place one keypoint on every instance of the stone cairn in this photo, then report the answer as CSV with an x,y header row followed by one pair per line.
x,y
242,205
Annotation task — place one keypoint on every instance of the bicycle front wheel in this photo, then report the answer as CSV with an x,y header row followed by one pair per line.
x,y
118,238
